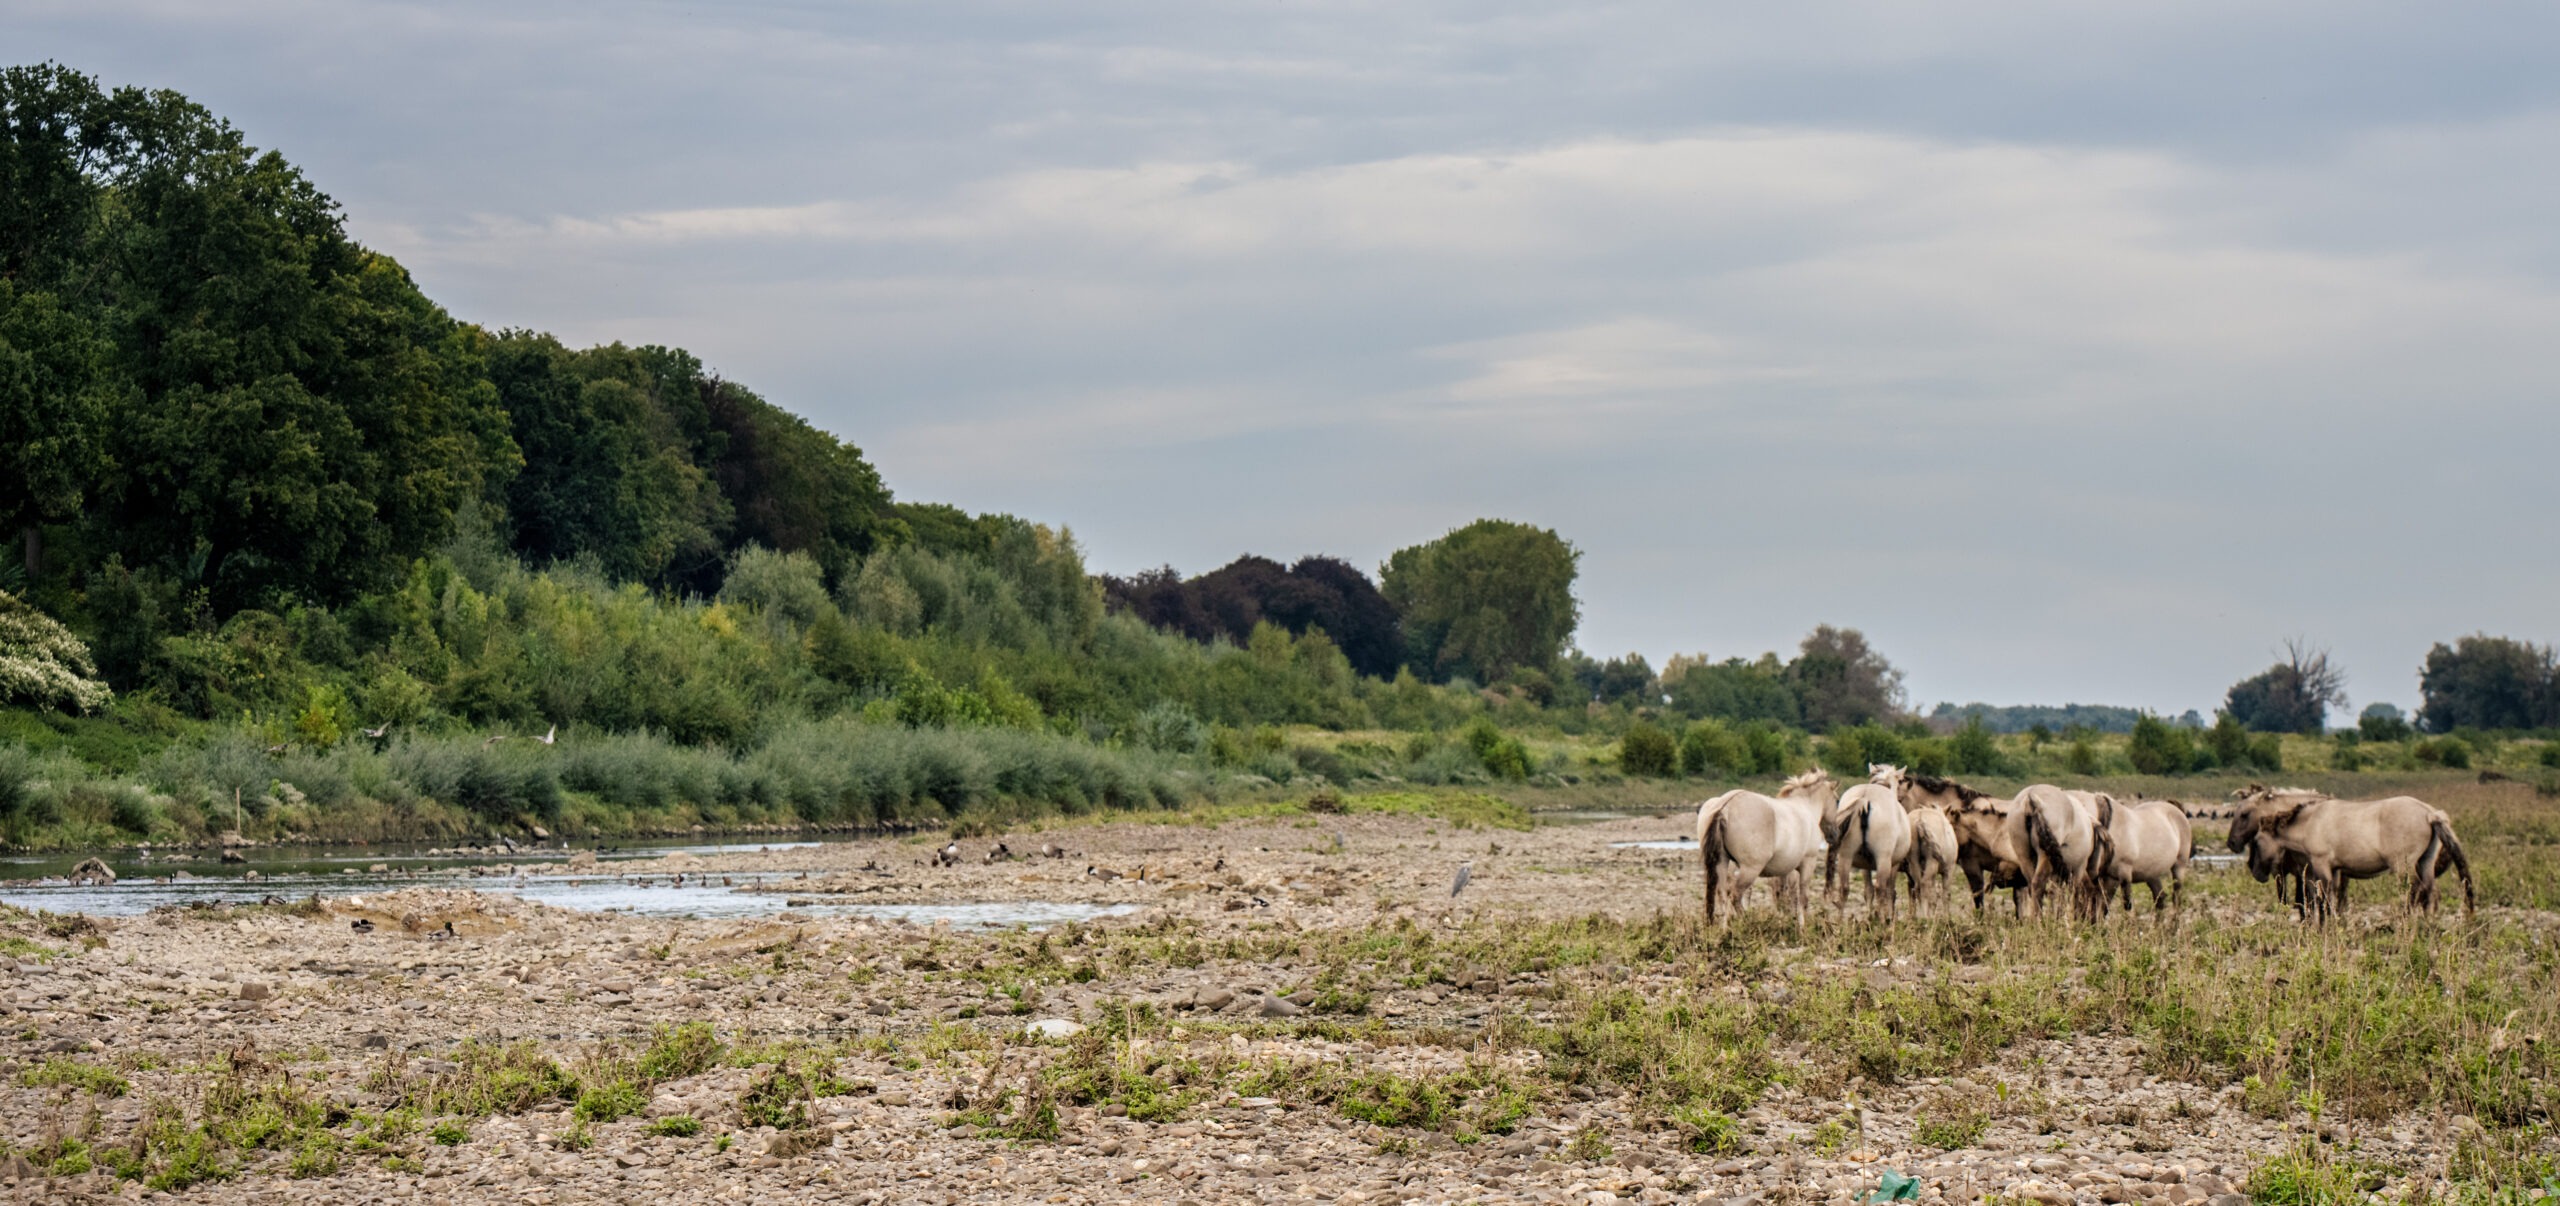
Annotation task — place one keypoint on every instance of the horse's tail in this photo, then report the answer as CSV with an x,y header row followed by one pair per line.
x,y
1711,853
2045,843
2442,843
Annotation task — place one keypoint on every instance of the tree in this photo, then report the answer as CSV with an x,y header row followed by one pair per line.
x,y
1485,599
2487,682
2159,748
1318,593
2292,696
1619,678
1840,681
1732,689
279,410
42,663
2383,722
53,402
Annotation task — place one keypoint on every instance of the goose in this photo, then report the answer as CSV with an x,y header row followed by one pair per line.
x,y
362,925
1103,874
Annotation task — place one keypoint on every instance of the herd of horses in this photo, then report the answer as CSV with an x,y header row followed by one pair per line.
x,y
2092,845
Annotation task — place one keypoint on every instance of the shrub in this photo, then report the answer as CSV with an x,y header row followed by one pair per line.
x,y
2383,722
1972,750
1169,727
2160,748
1647,750
43,664
1709,748
2082,757
2266,752
2451,753
1849,750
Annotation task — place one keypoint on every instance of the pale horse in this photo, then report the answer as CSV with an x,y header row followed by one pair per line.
x,y
1745,837
1870,830
2066,839
2150,843
1935,850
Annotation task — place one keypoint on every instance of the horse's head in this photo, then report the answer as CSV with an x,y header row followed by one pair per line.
x,y
1886,775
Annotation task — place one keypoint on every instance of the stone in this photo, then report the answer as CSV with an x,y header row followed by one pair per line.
x,y
377,1042
2228,1199
2039,1191
252,990
1213,998
881,1009
1281,1007
1053,1028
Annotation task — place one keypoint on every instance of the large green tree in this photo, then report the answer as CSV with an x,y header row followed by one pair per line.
x,y
1486,599
281,412
2488,682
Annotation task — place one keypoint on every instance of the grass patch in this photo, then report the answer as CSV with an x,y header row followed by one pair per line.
x,y
676,1126
59,1072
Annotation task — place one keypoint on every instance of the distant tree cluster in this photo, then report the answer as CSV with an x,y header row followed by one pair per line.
x,y
2486,682
2096,718
1318,593
1836,680
2292,696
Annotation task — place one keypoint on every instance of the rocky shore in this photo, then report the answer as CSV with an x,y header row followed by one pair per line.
x,y
1236,1037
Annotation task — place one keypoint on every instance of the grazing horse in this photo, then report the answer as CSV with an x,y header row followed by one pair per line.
x,y
1744,837
1869,827
2338,840
1990,834
1934,848
2066,838
2151,844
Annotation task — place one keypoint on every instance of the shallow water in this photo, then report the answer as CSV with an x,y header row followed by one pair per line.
x,y
1657,844
294,872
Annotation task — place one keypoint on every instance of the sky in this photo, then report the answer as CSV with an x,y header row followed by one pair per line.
x,y
2078,352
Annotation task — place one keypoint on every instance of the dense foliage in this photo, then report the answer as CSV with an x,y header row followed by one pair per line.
x,y
2487,682
1323,594
1485,600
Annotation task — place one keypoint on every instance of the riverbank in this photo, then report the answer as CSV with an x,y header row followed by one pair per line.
x,y
1296,1007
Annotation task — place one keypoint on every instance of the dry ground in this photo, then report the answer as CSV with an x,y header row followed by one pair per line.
x,y
1299,1012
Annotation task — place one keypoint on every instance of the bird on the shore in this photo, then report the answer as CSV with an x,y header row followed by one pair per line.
x,y
948,856
1052,850
1338,844
1104,874
362,925
1466,871
1001,854
550,738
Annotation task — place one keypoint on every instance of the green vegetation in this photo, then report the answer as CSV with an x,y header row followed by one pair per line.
x,y
676,1126
71,1073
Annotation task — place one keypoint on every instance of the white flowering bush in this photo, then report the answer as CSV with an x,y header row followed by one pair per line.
x,y
43,664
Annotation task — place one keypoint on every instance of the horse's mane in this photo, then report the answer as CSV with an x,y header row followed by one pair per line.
x,y
1809,779
1933,783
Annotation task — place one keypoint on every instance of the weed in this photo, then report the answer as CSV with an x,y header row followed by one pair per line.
x,y
676,1126
607,1103
59,1072
676,1052
2309,1175
1589,1145
574,1137
451,1132
1707,1131
1948,1126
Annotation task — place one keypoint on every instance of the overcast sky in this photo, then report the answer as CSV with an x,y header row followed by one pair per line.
x,y
2076,352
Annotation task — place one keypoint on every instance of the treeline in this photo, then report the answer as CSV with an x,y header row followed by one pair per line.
x,y
215,400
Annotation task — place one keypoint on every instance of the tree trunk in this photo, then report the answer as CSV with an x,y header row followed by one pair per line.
x,y
34,537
